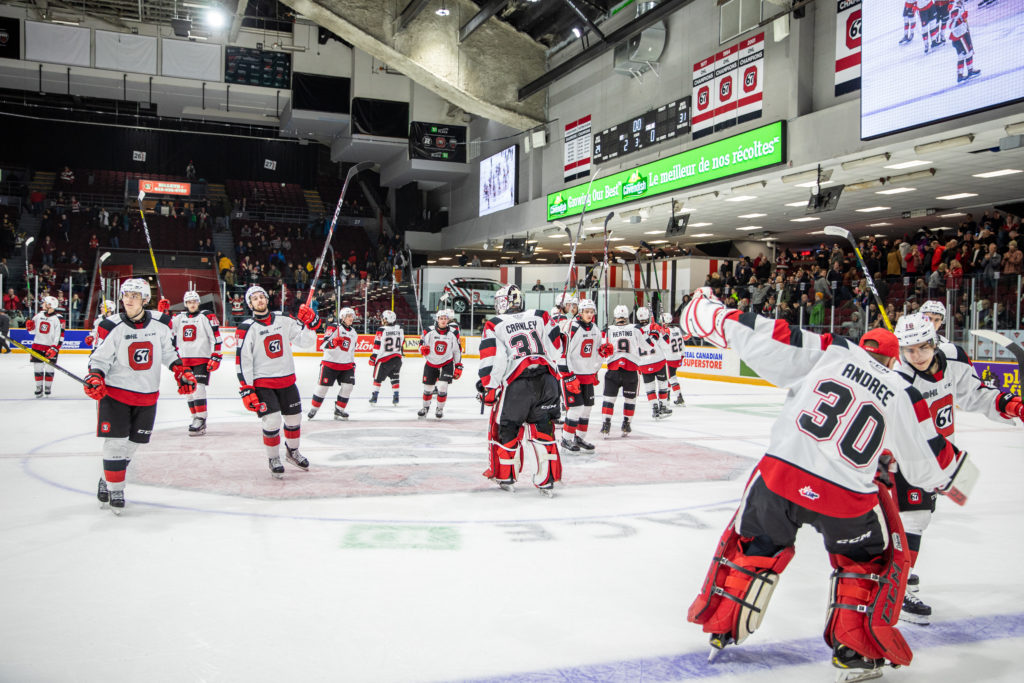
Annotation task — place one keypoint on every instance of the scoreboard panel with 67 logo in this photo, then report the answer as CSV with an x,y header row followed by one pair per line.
x,y
658,125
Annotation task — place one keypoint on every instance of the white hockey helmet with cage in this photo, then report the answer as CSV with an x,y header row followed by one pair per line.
x,y
51,301
588,305
388,317
138,286
191,295
621,312
509,299
255,289
913,329
666,318
932,307
643,314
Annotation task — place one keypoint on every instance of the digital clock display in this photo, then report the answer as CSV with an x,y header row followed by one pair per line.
x,y
664,123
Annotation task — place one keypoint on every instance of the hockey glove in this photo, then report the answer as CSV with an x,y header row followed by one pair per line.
x,y
185,379
51,353
572,383
1012,406
883,475
425,350
163,305
487,396
30,325
373,359
308,317
458,371
95,387
605,350
214,362
251,400
89,339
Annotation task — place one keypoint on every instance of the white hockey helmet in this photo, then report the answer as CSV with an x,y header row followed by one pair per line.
x,y
588,304
643,314
933,307
913,329
567,299
191,295
345,312
388,317
51,301
111,307
621,312
450,313
255,289
508,299
138,286
666,318
441,313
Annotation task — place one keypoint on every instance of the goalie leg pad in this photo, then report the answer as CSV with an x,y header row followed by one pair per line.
x,y
549,463
505,456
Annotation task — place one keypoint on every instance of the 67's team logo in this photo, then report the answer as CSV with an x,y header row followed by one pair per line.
x,y
140,355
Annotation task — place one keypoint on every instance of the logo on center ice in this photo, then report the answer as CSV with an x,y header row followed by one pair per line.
x,y
809,493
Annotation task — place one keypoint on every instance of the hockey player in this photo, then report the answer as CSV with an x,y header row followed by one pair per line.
x,y
960,34
652,365
943,374
338,365
673,346
519,378
623,343
942,18
929,24
909,21
843,407
197,338
107,308
124,376
442,357
266,373
48,327
579,366
935,311
388,351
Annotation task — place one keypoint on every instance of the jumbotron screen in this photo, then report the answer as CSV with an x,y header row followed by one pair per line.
x,y
938,61
498,181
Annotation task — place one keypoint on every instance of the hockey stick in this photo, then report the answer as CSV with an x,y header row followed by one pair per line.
x,y
836,231
152,256
1013,347
103,283
656,296
606,271
579,232
41,357
361,166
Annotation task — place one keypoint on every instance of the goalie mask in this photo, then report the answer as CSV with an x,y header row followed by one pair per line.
x,y
138,286
509,299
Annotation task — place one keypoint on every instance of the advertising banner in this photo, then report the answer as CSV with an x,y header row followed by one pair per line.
x,y
847,46
164,187
1002,376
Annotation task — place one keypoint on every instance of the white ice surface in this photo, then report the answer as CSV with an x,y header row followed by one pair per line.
x,y
393,560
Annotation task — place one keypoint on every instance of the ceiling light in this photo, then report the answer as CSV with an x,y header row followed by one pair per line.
x,y
952,215
595,228
751,227
750,187
873,208
576,32
805,219
215,18
445,258
555,235
658,242
865,185
531,241
962,195
881,235
706,197
817,232
909,177
703,234
878,225
804,203
542,260
489,260
897,190
812,176
430,263
1015,128
616,239
443,10
958,141
522,262
752,215
908,164
654,232
812,183
867,161
700,225
996,174
741,198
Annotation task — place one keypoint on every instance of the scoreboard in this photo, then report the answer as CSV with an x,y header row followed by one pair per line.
x,y
658,125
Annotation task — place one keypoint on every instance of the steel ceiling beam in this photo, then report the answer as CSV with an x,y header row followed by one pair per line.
x,y
411,11
586,20
639,24
485,13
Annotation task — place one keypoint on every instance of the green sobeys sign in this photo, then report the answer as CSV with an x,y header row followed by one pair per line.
x,y
755,149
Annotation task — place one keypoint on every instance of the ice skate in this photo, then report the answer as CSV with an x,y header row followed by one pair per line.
x,y
394,399
626,428
439,413
340,414
971,73
718,641
102,495
547,491
584,445
665,410
914,611
39,392
570,445
276,468
298,459
311,414
47,391
198,426
913,583
853,667
422,412
117,502
373,398
905,39
506,485
680,401
606,428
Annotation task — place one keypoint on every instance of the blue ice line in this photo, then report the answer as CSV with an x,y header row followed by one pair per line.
x,y
748,660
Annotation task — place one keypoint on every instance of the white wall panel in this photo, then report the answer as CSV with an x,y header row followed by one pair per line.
x,y
56,44
125,52
185,59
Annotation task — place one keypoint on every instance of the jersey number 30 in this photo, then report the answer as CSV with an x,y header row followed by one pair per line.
x,y
861,433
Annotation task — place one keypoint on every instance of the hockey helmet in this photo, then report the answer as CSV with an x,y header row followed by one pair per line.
x,y
588,304
509,299
621,312
108,307
345,312
666,318
51,301
136,285
933,307
388,317
913,329
191,295
566,300
255,289
441,313
643,314
450,313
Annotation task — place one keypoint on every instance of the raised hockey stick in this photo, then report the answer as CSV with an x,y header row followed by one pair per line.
x,y
579,233
361,166
656,296
41,357
103,284
606,271
836,231
152,256
1013,347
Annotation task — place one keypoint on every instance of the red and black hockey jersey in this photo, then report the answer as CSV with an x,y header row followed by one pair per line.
x,y
197,336
443,346
512,342
630,346
49,331
388,343
581,357
263,356
343,355
129,355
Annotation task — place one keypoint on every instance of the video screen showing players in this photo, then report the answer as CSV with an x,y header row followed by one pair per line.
x,y
927,60
498,181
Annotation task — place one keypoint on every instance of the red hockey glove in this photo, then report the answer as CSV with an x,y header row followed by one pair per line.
x,y
89,339
491,396
30,325
458,371
51,353
185,379
425,350
163,305
572,383
373,359
1013,408
251,400
605,350
307,316
95,387
214,362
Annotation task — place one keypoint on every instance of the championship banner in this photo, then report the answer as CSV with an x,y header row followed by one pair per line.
x,y
703,121
164,187
751,79
726,70
848,35
577,146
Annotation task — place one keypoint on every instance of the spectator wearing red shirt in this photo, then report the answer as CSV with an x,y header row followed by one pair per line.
x,y
11,301
937,255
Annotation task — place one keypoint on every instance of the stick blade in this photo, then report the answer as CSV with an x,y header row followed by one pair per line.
x,y
142,195
992,336
361,166
836,231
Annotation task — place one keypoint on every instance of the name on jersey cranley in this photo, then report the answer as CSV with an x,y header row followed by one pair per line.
x,y
524,326
869,382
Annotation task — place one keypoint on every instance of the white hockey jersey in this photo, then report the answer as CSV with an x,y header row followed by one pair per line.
x,y
263,355
512,342
388,343
673,345
49,331
444,347
581,357
843,408
955,384
343,355
197,336
655,356
629,345
130,355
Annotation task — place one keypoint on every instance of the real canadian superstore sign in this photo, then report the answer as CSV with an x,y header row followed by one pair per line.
x,y
755,149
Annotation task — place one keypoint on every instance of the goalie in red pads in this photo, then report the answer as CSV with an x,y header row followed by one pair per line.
x,y
820,469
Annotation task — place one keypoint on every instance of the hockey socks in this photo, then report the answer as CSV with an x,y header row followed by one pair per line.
x,y
197,401
292,430
341,402
117,455
272,433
